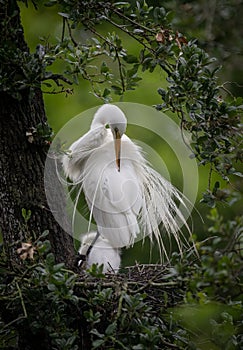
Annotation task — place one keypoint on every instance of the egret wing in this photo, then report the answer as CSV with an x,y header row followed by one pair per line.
x,y
74,161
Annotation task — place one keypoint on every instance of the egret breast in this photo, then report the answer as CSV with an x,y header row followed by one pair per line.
x,y
113,197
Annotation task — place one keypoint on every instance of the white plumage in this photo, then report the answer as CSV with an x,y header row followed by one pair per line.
x,y
101,253
124,194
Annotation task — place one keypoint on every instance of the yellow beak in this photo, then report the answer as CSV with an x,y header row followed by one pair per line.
x,y
118,148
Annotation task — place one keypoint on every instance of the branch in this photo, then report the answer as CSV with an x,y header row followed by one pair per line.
x,y
130,34
120,14
57,77
70,34
120,71
63,28
22,300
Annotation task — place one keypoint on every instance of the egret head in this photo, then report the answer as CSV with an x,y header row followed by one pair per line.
x,y
112,116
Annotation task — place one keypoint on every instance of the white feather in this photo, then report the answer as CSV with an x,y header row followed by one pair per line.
x,y
136,199
101,253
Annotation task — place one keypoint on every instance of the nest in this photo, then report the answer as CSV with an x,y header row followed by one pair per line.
x,y
156,281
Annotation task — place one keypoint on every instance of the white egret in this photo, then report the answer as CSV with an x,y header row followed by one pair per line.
x,y
101,253
124,194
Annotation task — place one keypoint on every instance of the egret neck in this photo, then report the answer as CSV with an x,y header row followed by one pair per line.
x,y
112,116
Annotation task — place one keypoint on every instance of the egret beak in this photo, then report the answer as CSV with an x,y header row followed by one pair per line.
x,y
117,148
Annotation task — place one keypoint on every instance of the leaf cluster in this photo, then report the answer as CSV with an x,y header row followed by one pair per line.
x,y
204,108
22,71
214,123
178,306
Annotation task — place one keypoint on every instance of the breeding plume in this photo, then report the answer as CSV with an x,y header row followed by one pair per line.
x,y
126,197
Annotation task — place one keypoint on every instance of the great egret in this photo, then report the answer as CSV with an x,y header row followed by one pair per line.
x,y
124,194
101,253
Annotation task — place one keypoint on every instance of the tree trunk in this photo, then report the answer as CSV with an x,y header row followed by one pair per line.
x,y
22,158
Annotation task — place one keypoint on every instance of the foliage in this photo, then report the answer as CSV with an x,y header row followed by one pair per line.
x,y
213,123
46,306
218,29
193,92
191,304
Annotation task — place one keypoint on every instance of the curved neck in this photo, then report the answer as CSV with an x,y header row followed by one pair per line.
x,y
98,121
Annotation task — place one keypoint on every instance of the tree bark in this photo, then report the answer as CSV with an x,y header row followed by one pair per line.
x,y
22,162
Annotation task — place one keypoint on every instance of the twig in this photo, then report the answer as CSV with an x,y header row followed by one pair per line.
x,y
164,66
22,300
63,28
120,71
129,283
181,116
70,34
16,320
170,345
226,90
67,91
210,176
129,33
57,77
120,14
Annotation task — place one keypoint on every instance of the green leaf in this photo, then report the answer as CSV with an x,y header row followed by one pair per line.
x,y
44,234
65,15
50,3
94,331
104,68
97,343
130,59
117,89
106,92
71,340
44,247
138,347
162,92
50,259
133,71
237,173
208,199
122,3
47,84
26,214
51,287
58,267
111,328
216,187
